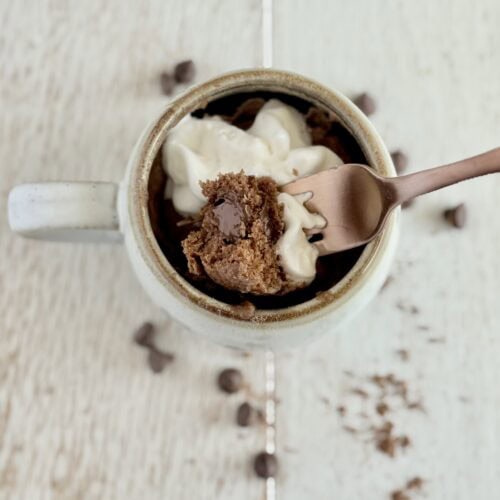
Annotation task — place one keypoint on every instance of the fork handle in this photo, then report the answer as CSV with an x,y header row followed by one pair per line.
x,y
426,181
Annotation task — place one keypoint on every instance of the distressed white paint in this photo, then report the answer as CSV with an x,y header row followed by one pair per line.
x,y
80,415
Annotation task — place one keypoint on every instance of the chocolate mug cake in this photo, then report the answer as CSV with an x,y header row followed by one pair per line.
x,y
215,205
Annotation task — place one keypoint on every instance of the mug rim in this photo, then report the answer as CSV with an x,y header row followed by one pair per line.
x,y
198,97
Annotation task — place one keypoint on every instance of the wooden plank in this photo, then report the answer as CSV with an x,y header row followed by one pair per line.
x,y
81,416
434,68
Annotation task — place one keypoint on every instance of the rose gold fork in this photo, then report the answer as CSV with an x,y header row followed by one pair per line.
x,y
356,201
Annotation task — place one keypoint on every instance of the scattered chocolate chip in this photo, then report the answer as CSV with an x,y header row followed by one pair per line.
x,y
415,483
230,380
144,335
295,172
244,415
400,161
158,360
382,408
366,103
167,83
407,204
265,465
456,216
184,71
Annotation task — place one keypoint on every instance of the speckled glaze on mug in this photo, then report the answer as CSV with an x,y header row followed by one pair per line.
x,y
214,319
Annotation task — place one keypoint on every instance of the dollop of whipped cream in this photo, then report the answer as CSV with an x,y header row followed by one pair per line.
x,y
277,145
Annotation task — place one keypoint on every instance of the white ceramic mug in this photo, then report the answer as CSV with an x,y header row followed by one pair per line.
x,y
88,211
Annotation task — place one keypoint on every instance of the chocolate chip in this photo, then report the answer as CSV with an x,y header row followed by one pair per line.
x,y
167,83
244,415
230,380
407,204
229,215
158,360
265,465
400,161
144,335
366,103
456,216
184,71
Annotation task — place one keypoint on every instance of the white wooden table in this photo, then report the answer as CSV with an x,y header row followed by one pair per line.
x,y
81,416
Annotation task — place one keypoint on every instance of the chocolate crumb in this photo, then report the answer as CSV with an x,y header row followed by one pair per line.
x,y
295,171
244,415
382,408
350,429
416,405
400,161
386,442
360,392
403,354
407,308
341,410
387,282
158,360
407,204
399,495
144,335
403,441
230,380
167,83
184,71
436,340
456,216
415,483
245,310
366,103
265,465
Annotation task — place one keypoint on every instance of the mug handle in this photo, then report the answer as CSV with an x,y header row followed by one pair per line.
x,y
66,211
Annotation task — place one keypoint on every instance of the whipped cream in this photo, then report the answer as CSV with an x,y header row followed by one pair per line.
x,y
277,145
